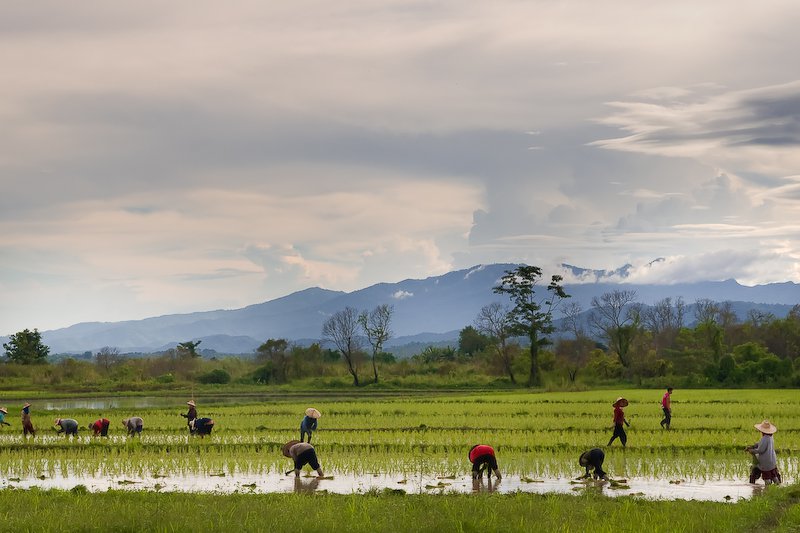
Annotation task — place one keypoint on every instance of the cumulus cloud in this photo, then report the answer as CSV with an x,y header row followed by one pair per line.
x,y
402,295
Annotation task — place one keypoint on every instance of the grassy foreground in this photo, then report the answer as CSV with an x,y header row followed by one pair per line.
x,y
34,510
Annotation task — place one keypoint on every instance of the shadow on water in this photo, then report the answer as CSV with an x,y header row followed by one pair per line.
x,y
720,490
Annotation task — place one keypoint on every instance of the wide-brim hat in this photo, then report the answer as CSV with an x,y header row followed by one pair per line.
x,y
26,405
191,402
313,413
3,410
58,421
766,427
621,402
285,447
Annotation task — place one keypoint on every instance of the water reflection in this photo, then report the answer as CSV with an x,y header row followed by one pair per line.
x,y
490,486
306,484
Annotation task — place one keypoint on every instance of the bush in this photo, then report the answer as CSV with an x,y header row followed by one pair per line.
x,y
215,376
165,378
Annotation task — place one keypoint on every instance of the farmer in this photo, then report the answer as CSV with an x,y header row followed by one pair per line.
x,y
191,415
68,426
666,405
100,427
27,425
3,413
593,459
309,423
302,453
764,451
482,456
619,419
201,426
134,425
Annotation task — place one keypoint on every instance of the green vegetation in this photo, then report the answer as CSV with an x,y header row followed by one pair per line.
x,y
142,511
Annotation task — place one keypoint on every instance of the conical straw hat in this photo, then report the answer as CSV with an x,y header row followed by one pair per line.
x,y
313,413
766,427
285,448
622,402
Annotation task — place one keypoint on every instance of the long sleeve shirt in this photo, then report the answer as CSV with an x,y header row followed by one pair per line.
x,y
619,416
308,424
481,449
765,451
133,423
68,425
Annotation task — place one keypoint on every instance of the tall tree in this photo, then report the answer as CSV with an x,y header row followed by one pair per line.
x,y
25,347
188,349
342,330
532,314
494,321
615,317
376,328
106,358
274,352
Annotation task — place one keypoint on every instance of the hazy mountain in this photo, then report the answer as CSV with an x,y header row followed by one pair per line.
x,y
426,310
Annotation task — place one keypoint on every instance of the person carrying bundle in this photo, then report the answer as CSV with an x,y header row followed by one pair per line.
x,y
201,426
766,466
309,423
593,459
100,427
302,453
191,415
134,425
482,457
67,426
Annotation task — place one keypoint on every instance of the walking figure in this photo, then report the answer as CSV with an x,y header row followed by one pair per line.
x,y
619,419
666,405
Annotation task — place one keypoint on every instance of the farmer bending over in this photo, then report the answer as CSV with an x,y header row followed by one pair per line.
x,y
67,426
201,426
3,413
134,425
482,456
764,451
593,459
100,427
302,453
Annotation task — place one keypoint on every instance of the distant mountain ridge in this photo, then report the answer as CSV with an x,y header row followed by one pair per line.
x,y
426,310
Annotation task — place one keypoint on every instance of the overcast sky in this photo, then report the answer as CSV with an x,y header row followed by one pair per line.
x,y
162,157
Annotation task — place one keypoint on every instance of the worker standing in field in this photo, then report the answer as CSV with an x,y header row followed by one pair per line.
x,y
134,425
27,425
482,457
666,406
302,453
764,451
201,426
67,426
309,423
3,413
100,427
619,419
593,459
191,415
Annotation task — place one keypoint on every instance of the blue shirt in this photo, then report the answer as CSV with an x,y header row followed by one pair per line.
x,y
308,424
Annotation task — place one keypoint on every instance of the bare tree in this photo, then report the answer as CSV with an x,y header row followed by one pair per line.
x,y
493,321
376,328
574,351
106,358
664,319
615,318
342,330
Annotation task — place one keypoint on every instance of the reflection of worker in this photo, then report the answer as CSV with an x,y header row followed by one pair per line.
x,y
27,425
301,485
666,405
3,413
100,427
67,426
764,451
482,457
201,426
134,425
593,459
191,415
302,453
309,423
619,419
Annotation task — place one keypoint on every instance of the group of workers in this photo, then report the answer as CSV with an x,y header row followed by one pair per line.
x,y
133,425
482,456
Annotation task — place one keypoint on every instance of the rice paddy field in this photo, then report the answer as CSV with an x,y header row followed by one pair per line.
x,y
410,444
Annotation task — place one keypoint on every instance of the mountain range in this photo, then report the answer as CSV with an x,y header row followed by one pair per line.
x,y
433,309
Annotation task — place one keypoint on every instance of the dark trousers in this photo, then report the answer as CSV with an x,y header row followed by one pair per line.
x,y
481,462
619,431
667,417
770,476
308,457
104,429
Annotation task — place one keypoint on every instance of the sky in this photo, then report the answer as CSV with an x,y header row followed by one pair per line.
x,y
169,157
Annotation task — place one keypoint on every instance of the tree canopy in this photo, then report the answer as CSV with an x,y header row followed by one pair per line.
x,y
26,347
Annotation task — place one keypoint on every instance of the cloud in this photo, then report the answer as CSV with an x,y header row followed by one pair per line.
x,y
402,295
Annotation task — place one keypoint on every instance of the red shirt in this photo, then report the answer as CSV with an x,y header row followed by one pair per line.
x,y
97,426
480,449
619,416
666,401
